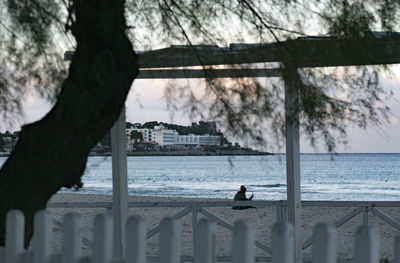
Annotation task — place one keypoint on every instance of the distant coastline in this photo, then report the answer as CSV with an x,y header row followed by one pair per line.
x,y
241,152
192,153
221,153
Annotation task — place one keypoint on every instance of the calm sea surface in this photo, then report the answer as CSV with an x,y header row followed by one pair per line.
x,y
323,176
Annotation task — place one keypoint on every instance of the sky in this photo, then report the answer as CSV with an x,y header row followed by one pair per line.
x,y
149,94
146,103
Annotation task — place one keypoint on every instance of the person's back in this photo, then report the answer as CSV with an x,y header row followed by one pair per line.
x,y
241,196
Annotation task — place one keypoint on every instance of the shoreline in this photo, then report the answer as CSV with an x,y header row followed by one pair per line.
x,y
262,218
180,153
221,154
194,154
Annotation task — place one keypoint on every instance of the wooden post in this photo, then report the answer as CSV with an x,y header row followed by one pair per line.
x,y
324,244
243,242
120,183
293,157
365,216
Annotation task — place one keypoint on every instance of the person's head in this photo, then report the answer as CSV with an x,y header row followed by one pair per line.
x,y
243,188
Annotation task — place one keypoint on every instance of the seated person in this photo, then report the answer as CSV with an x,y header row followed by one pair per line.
x,y
241,196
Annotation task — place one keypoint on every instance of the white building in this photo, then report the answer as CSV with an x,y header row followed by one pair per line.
x,y
190,139
164,136
198,140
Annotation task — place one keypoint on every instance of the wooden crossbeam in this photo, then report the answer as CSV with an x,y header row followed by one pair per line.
x,y
304,52
208,73
314,52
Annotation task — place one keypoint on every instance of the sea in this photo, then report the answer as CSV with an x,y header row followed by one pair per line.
x,y
355,177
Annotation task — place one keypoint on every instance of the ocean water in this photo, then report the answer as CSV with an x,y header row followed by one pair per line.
x,y
323,176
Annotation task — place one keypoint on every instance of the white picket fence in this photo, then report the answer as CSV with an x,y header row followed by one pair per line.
x,y
324,242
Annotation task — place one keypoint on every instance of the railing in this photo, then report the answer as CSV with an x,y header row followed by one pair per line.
x,y
324,248
201,207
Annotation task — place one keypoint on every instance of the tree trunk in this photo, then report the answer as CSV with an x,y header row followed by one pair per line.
x,y
52,153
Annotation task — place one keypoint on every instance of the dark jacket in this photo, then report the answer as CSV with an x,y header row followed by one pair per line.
x,y
241,196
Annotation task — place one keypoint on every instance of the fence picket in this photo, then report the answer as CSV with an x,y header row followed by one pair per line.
x,y
42,237
324,242
25,257
102,239
243,242
135,240
397,250
56,258
324,245
15,227
71,246
205,242
170,241
367,244
282,243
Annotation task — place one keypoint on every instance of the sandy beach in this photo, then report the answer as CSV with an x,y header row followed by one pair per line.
x,y
263,219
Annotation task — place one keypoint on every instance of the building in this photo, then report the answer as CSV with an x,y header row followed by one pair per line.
x,y
198,140
164,136
168,137
146,133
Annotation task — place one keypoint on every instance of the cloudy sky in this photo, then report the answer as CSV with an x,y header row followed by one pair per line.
x,y
146,103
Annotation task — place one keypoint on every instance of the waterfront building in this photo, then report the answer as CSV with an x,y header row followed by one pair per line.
x,y
146,133
164,136
168,137
198,140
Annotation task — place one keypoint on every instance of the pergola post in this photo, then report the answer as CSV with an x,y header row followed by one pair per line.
x,y
293,157
120,183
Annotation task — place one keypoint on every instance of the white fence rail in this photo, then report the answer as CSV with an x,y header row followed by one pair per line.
x,y
200,207
324,248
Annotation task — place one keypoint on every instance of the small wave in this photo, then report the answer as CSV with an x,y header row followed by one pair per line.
x,y
267,185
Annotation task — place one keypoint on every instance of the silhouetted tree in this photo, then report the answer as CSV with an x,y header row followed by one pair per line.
x,y
52,152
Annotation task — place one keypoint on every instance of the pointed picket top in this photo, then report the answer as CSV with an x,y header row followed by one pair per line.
x,y
205,242
135,240
102,239
72,238
41,242
243,242
282,243
324,244
170,240
367,244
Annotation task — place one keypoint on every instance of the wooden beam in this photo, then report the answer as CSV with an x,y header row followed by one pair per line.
x,y
293,157
208,73
120,183
304,52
